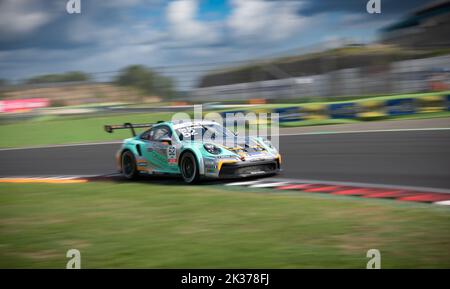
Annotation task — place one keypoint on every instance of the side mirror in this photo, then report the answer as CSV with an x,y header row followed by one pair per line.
x,y
166,140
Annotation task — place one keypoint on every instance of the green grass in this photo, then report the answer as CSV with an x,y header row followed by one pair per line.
x,y
70,129
134,225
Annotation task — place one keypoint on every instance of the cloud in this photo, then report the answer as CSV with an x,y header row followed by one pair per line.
x,y
40,37
184,26
122,3
20,17
363,21
264,21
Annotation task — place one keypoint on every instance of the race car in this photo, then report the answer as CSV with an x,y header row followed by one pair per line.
x,y
194,150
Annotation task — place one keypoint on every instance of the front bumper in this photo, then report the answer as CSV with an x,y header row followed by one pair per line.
x,y
250,168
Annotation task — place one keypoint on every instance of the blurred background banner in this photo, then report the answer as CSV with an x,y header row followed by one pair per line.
x,y
23,105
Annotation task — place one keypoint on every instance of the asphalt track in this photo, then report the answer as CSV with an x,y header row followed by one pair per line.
x,y
406,158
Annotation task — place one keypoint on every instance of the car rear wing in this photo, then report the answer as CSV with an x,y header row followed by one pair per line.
x,y
127,125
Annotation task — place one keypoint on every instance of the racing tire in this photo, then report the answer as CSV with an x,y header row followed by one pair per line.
x,y
189,168
128,165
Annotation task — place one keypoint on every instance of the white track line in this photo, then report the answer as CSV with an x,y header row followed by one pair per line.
x,y
39,178
367,131
53,177
442,203
61,146
243,183
268,185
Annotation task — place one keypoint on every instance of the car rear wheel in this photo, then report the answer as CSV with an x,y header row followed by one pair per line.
x,y
189,168
129,169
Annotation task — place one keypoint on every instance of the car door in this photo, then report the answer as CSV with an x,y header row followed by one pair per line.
x,y
160,150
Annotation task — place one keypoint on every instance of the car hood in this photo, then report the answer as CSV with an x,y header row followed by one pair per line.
x,y
236,145
237,142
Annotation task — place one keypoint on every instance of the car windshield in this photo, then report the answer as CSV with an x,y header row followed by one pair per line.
x,y
204,132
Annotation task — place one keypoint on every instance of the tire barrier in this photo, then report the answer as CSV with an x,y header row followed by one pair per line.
x,y
401,106
316,111
290,114
447,98
371,110
363,110
431,103
347,110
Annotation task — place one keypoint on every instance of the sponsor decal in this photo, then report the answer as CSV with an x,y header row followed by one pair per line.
x,y
209,162
210,170
141,164
226,157
210,165
188,132
172,154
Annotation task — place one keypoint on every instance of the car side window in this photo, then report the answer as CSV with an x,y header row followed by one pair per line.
x,y
159,132
146,135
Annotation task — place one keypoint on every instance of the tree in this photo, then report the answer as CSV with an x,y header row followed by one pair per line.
x,y
3,82
63,77
146,80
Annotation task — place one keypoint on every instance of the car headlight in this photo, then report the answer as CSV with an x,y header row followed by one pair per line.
x,y
269,144
212,149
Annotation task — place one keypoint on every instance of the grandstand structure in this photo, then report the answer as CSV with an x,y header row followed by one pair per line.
x,y
428,27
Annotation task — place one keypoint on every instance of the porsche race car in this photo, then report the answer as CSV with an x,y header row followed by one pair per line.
x,y
194,150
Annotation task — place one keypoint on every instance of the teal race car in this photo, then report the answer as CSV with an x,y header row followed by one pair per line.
x,y
194,150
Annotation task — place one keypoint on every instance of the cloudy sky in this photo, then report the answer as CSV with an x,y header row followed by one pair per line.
x,y
39,36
